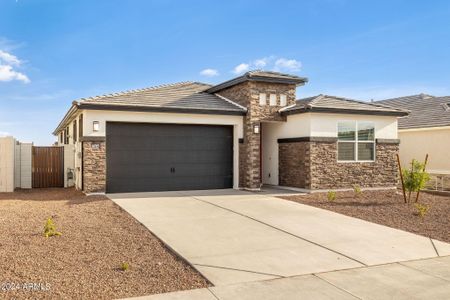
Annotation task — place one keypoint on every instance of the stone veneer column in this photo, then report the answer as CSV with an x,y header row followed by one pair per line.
x,y
94,166
247,95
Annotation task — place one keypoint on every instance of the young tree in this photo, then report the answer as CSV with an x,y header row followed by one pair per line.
x,y
415,178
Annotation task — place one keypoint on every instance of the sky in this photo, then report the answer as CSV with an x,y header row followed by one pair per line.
x,y
53,52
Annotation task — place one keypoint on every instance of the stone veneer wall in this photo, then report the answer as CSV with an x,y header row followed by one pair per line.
x,y
320,169
94,167
293,165
247,95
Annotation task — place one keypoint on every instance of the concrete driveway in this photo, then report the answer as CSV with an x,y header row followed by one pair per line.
x,y
237,236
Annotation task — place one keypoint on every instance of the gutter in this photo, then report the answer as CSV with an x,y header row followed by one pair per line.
x,y
309,108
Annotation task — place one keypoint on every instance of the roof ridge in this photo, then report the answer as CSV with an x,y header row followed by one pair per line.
x,y
315,100
180,83
365,102
230,101
421,95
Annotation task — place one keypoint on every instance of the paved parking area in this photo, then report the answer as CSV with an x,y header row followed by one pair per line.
x,y
242,240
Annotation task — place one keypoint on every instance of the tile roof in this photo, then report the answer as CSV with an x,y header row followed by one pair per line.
x,y
426,110
260,75
177,96
333,104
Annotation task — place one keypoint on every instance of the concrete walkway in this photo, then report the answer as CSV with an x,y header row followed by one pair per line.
x,y
422,279
237,238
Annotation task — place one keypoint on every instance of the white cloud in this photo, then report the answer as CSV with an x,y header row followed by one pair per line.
x,y
7,72
274,63
3,134
209,72
241,68
284,64
260,62
9,59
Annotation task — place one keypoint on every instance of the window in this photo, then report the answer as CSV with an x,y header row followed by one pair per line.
x,y
283,100
61,137
80,127
356,141
66,136
75,131
273,100
262,99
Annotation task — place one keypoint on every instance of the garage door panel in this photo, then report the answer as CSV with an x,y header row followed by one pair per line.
x,y
168,157
158,157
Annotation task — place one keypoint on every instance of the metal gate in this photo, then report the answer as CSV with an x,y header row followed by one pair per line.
x,y
48,167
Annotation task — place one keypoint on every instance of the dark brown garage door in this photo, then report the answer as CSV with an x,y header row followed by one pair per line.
x,y
168,157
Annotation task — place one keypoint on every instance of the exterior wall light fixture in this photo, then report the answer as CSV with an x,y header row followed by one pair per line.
x,y
256,128
95,126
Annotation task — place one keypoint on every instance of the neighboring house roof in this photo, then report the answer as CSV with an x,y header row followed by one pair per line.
x,y
183,96
259,75
333,104
426,111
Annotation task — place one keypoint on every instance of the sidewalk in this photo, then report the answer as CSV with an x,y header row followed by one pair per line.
x,y
420,279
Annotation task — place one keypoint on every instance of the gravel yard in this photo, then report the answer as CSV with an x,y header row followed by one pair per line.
x,y
83,263
387,208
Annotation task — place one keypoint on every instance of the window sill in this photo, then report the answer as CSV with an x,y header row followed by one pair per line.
x,y
355,161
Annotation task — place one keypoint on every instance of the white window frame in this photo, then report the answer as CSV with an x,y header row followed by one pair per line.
x,y
273,99
262,99
283,99
356,141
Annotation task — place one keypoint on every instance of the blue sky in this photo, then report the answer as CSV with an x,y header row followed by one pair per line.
x,y
55,51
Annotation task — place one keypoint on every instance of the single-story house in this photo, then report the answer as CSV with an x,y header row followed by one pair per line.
x,y
242,133
426,130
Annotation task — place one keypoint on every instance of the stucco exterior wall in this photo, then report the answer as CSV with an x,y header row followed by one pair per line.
x,y
7,163
325,125
69,164
23,165
150,117
417,143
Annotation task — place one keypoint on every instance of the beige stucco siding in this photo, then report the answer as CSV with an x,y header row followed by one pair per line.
x,y
417,143
151,117
313,125
7,154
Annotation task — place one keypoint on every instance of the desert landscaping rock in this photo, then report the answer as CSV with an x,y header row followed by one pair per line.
x,y
97,237
388,208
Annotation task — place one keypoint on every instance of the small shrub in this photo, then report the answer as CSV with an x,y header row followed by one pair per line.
x,y
50,229
422,209
415,178
124,266
331,195
357,190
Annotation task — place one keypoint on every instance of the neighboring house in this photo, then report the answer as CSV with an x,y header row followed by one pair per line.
x,y
425,131
241,133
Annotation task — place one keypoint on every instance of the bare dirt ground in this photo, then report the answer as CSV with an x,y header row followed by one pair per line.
x,y
388,208
84,262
